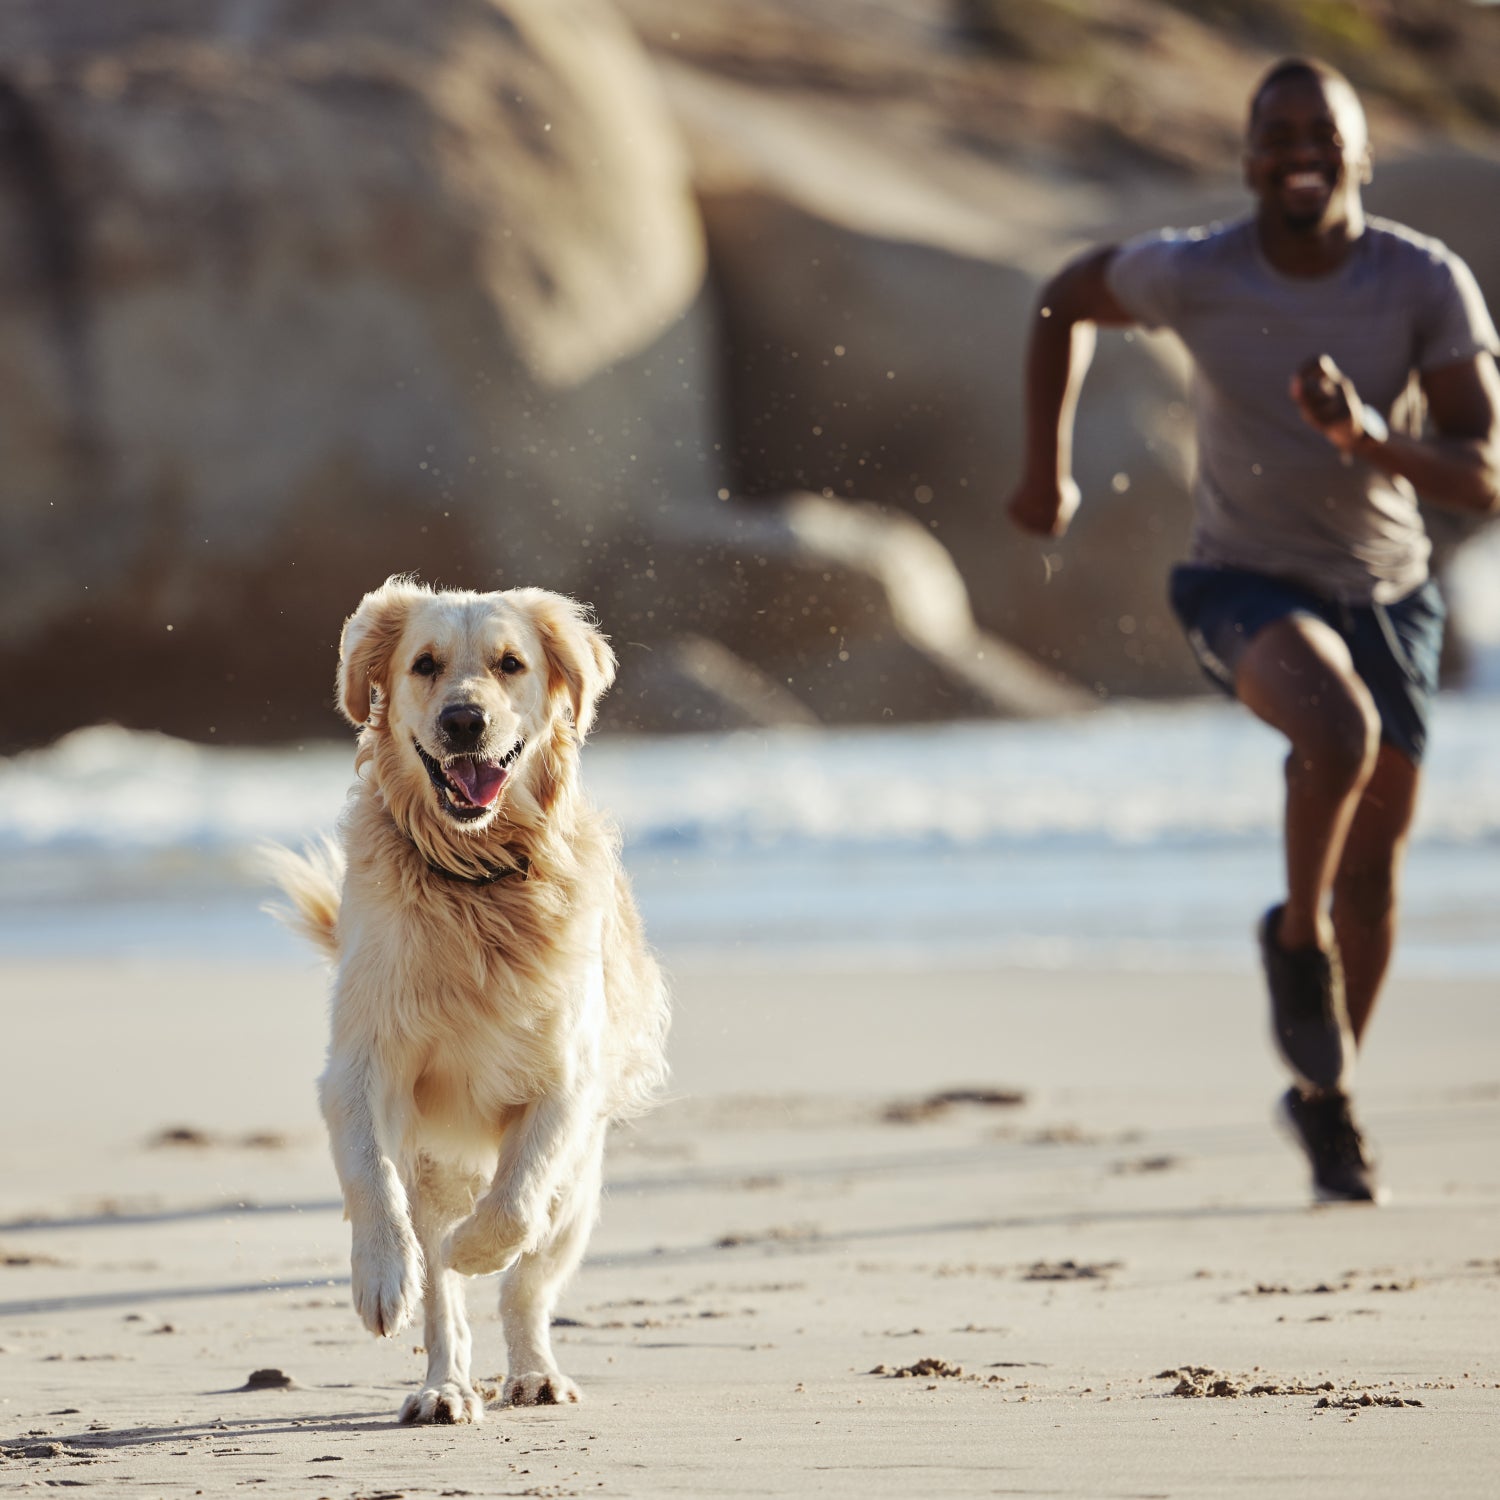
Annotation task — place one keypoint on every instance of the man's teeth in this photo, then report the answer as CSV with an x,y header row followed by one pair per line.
x,y
1304,180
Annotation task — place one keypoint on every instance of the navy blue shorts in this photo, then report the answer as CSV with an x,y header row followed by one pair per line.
x,y
1395,647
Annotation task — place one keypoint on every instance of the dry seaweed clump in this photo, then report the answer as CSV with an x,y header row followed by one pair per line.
x,y
926,1369
933,1106
1070,1270
933,1370
1199,1381
1365,1398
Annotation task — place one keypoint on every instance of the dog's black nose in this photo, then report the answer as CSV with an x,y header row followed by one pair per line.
x,y
463,725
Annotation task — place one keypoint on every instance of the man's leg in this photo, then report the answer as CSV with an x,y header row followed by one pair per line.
x,y
1366,884
1298,676
1347,809
1364,917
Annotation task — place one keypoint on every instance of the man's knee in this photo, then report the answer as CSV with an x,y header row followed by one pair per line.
x,y
1338,739
1298,676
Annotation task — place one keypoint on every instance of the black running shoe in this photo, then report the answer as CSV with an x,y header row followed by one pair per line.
x,y
1309,1019
1325,1129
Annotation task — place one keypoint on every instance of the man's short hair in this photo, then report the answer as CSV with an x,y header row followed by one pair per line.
x,y
1300,67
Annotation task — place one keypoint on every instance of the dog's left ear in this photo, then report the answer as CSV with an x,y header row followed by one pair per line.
x,y
579,660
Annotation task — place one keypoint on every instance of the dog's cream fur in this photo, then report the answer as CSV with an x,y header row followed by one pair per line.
x,y
484,1035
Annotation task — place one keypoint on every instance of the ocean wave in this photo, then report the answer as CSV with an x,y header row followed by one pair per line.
x,y
1130,775
1140,835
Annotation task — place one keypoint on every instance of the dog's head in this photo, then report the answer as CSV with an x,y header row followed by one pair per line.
x,y
469,694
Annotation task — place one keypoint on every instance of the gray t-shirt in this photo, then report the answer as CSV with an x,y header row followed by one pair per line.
x,y
1272,494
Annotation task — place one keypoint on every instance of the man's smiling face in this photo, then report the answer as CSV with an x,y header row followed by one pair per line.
x,y
1307,154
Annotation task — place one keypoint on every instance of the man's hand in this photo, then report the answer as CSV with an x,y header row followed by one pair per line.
x,y
1043,507
1327,399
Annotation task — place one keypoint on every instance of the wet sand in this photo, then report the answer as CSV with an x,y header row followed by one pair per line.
x,y
976,1233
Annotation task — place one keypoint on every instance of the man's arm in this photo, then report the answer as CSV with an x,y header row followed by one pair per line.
x,y
1059,351
1458,467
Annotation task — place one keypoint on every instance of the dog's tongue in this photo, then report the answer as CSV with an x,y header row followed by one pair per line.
x,y
479,781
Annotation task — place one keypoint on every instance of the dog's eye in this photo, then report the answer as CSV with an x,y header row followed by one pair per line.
x,y
425,665
510,664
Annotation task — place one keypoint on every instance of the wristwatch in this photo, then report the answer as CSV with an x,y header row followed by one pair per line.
x,y
1374,425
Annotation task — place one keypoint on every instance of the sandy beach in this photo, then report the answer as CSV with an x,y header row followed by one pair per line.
x,y
1091,1269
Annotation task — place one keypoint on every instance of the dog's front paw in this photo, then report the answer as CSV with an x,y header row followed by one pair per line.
x,y
488,1240
443,1405
541,1388
386,1277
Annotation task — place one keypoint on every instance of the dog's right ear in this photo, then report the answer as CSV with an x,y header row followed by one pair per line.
x,y
367,644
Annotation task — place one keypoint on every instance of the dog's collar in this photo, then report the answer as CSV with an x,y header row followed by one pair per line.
x,y
522,867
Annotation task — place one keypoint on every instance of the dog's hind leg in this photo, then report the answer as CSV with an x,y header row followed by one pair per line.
x,y
532,1286
385,1260
440,1197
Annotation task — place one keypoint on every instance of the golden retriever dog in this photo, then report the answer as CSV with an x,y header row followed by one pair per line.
x,y
494,1003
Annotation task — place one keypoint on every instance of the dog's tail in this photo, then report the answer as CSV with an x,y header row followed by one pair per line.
x,y
312,882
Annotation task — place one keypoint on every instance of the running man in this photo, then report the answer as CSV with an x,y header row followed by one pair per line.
x,y
1318,336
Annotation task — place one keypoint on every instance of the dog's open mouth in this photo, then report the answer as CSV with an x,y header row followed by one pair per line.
x,y
468,785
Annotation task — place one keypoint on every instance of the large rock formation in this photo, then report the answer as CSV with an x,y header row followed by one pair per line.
x,y
296,296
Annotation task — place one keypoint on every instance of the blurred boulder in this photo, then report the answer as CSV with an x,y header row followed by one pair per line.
x,y
295,296
889,369
693,683
803,609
